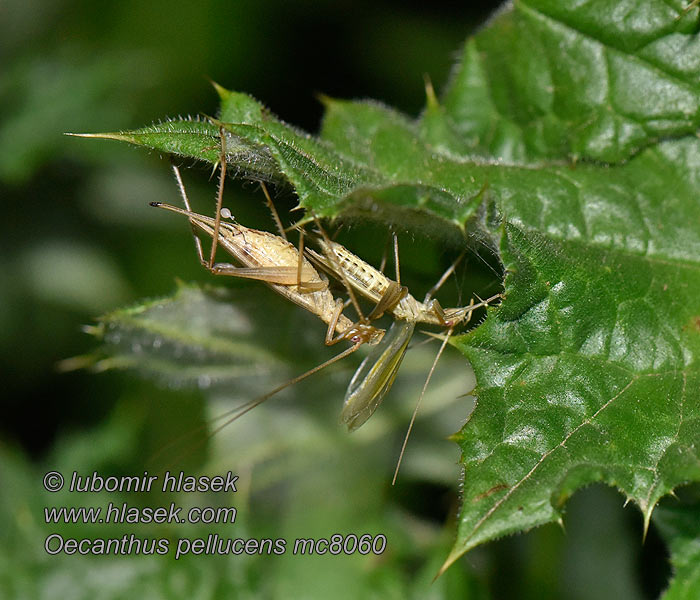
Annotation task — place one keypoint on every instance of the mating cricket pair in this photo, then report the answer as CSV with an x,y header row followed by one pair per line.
x,y
293,273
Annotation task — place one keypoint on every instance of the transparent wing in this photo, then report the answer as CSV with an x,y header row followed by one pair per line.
x,y
375,375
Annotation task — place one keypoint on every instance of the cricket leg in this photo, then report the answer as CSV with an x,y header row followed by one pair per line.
x,y
219,199
420,400
273,210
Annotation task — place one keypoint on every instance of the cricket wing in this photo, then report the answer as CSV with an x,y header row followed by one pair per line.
x,y
376,374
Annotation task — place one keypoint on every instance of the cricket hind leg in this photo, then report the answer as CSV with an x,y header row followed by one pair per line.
x,y
395,292
390,298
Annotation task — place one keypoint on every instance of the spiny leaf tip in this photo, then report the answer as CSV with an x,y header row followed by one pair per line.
x,y
220,90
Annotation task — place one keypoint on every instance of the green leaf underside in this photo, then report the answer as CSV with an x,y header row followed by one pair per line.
x,y
199,337
576,125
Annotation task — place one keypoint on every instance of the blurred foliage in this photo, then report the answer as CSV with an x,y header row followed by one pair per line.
x,y
79,239
679,524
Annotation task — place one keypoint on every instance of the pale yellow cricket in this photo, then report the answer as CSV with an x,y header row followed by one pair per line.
x,y
376,374
287,271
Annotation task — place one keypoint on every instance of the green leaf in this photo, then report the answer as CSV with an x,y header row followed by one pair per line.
x,y
193,138
680,526
566,140
596,80
199,337
589,374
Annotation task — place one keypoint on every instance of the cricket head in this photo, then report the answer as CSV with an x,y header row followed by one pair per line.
x,y
363,333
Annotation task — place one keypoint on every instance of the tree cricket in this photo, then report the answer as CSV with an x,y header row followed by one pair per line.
x,y
278,263
289,271
376,374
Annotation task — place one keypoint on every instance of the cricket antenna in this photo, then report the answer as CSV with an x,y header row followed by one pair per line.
x,y
420,399
239,411
236,413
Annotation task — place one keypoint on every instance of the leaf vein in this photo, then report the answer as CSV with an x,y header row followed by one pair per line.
x,y
546,455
